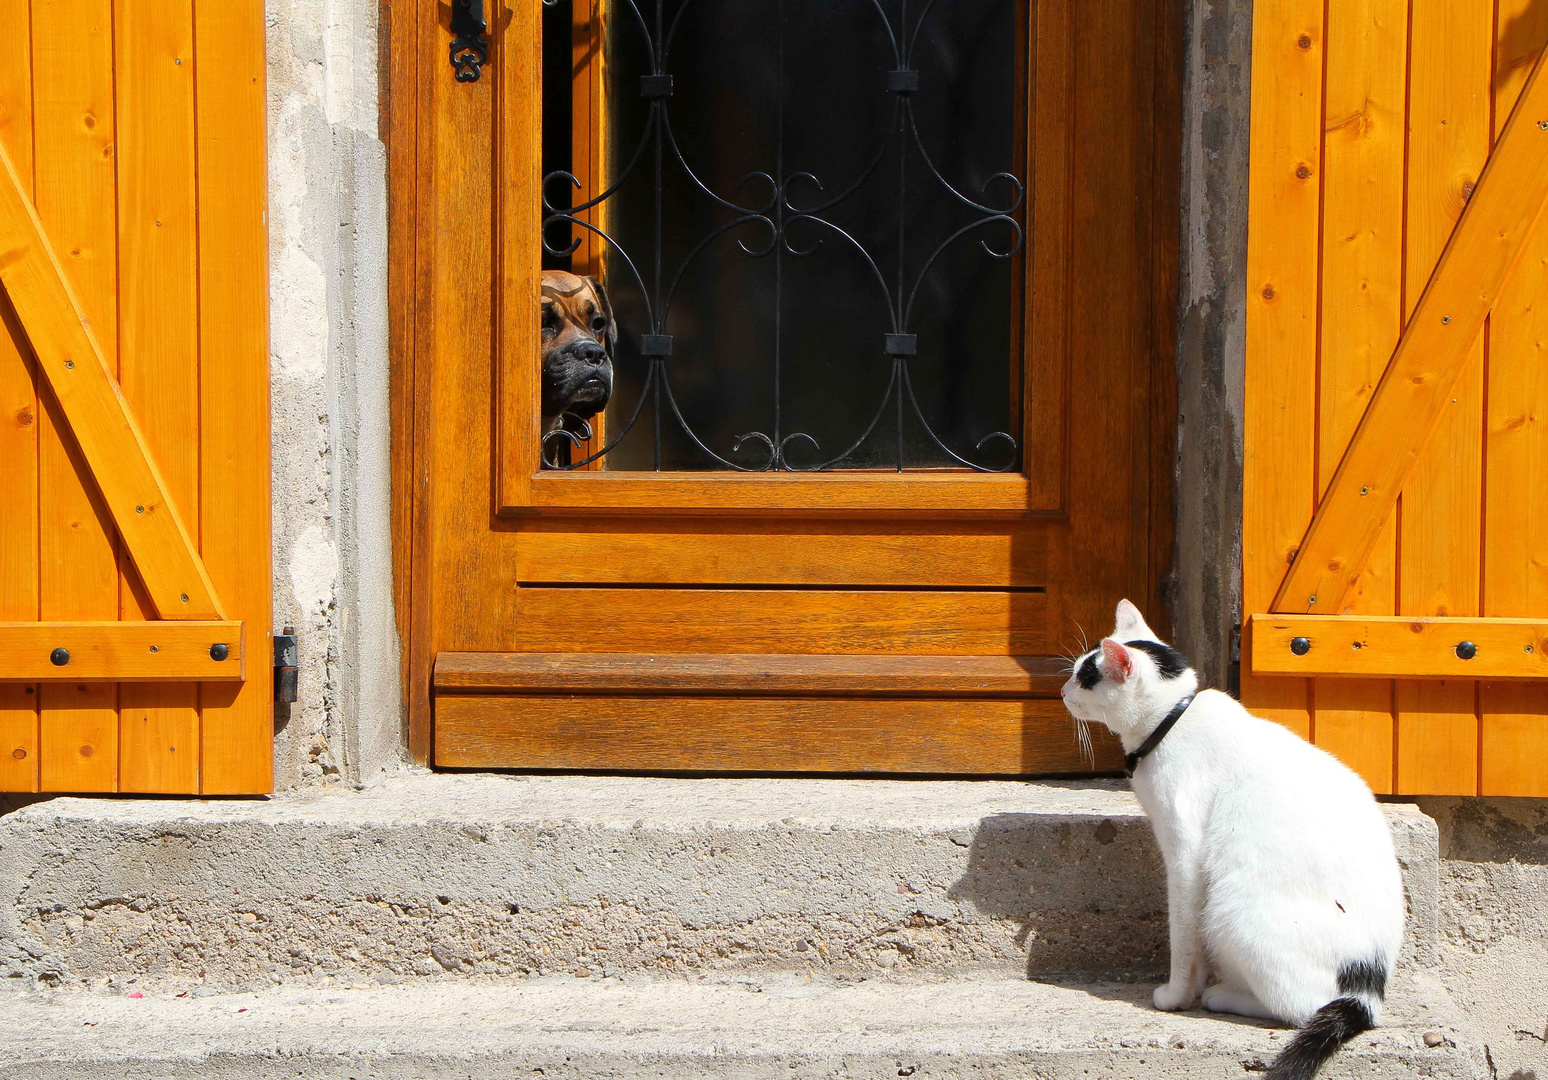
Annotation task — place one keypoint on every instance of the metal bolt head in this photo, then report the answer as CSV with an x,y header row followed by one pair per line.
x,y
218,651
1466,650
59,657
1300,646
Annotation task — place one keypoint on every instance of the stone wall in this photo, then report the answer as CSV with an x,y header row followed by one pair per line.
x,y
328,356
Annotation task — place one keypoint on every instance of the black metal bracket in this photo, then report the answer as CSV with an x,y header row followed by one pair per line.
x,y
286,659
901,345
655,344
469,50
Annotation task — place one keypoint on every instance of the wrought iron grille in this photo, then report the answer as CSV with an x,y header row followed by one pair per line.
x,y
791,214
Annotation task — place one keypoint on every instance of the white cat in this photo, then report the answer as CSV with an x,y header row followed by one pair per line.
x,y
1281,879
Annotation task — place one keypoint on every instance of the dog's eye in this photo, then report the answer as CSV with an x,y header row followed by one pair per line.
x,y
598,324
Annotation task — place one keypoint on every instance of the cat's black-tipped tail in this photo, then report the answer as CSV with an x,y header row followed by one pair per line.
x,y
1329,1028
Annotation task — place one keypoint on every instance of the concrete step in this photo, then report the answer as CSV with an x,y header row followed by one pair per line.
x,y
476,875
563,1027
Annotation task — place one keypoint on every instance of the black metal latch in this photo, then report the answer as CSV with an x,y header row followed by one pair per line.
x,y
286,660
469,50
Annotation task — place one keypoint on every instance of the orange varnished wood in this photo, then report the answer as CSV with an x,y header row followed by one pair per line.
x,y
1412,91
773,734
136,215
730,620
1441,515
752,675
1362,283
158,319
1513,743
1414,390
18,424
788,553
124,651
76,200
234,503
1351,646
850,493
1279,447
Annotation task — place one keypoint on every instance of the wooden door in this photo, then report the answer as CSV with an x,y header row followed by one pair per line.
x,y
134,437
883,619
1394,475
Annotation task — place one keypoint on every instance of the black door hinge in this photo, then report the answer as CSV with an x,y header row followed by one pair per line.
x,y
286,658
469,49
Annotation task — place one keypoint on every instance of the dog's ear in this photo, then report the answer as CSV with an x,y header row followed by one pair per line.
x,y
610,338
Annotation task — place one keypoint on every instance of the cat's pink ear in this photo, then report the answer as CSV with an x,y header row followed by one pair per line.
x,y
1116,661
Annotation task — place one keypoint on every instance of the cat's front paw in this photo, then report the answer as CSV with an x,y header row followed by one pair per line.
x,y
1172,996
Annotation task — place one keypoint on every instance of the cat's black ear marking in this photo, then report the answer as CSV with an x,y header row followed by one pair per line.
x,y
1089,674
1169,661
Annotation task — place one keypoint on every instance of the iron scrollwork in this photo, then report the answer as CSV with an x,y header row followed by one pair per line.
x,y
763,227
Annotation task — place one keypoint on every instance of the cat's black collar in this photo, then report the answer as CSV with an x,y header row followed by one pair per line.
x,y
1131,761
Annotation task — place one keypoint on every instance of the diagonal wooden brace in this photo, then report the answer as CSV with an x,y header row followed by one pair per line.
x,y
1416,387
100,418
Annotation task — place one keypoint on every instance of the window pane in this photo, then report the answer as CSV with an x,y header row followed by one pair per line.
x,y
823,214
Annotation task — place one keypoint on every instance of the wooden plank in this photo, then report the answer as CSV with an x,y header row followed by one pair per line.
x,y
18,426
1514,736
1284,204
784,553
170,649
102,425
1451,46
74,167
518,134
746,674
706,734
1401,646
234,495
1361,315
850,492
158,320
1417,384
783,620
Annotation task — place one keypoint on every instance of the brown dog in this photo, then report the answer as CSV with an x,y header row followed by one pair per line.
x,y
578,339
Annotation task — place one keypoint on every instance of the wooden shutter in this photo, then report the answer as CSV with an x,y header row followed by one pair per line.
x,y
134,430
1396,472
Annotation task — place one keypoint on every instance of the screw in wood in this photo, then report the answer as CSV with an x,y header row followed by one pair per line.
x,y
183,597
155,648
1446,319
139,509
69,365
1311,600
1365,491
